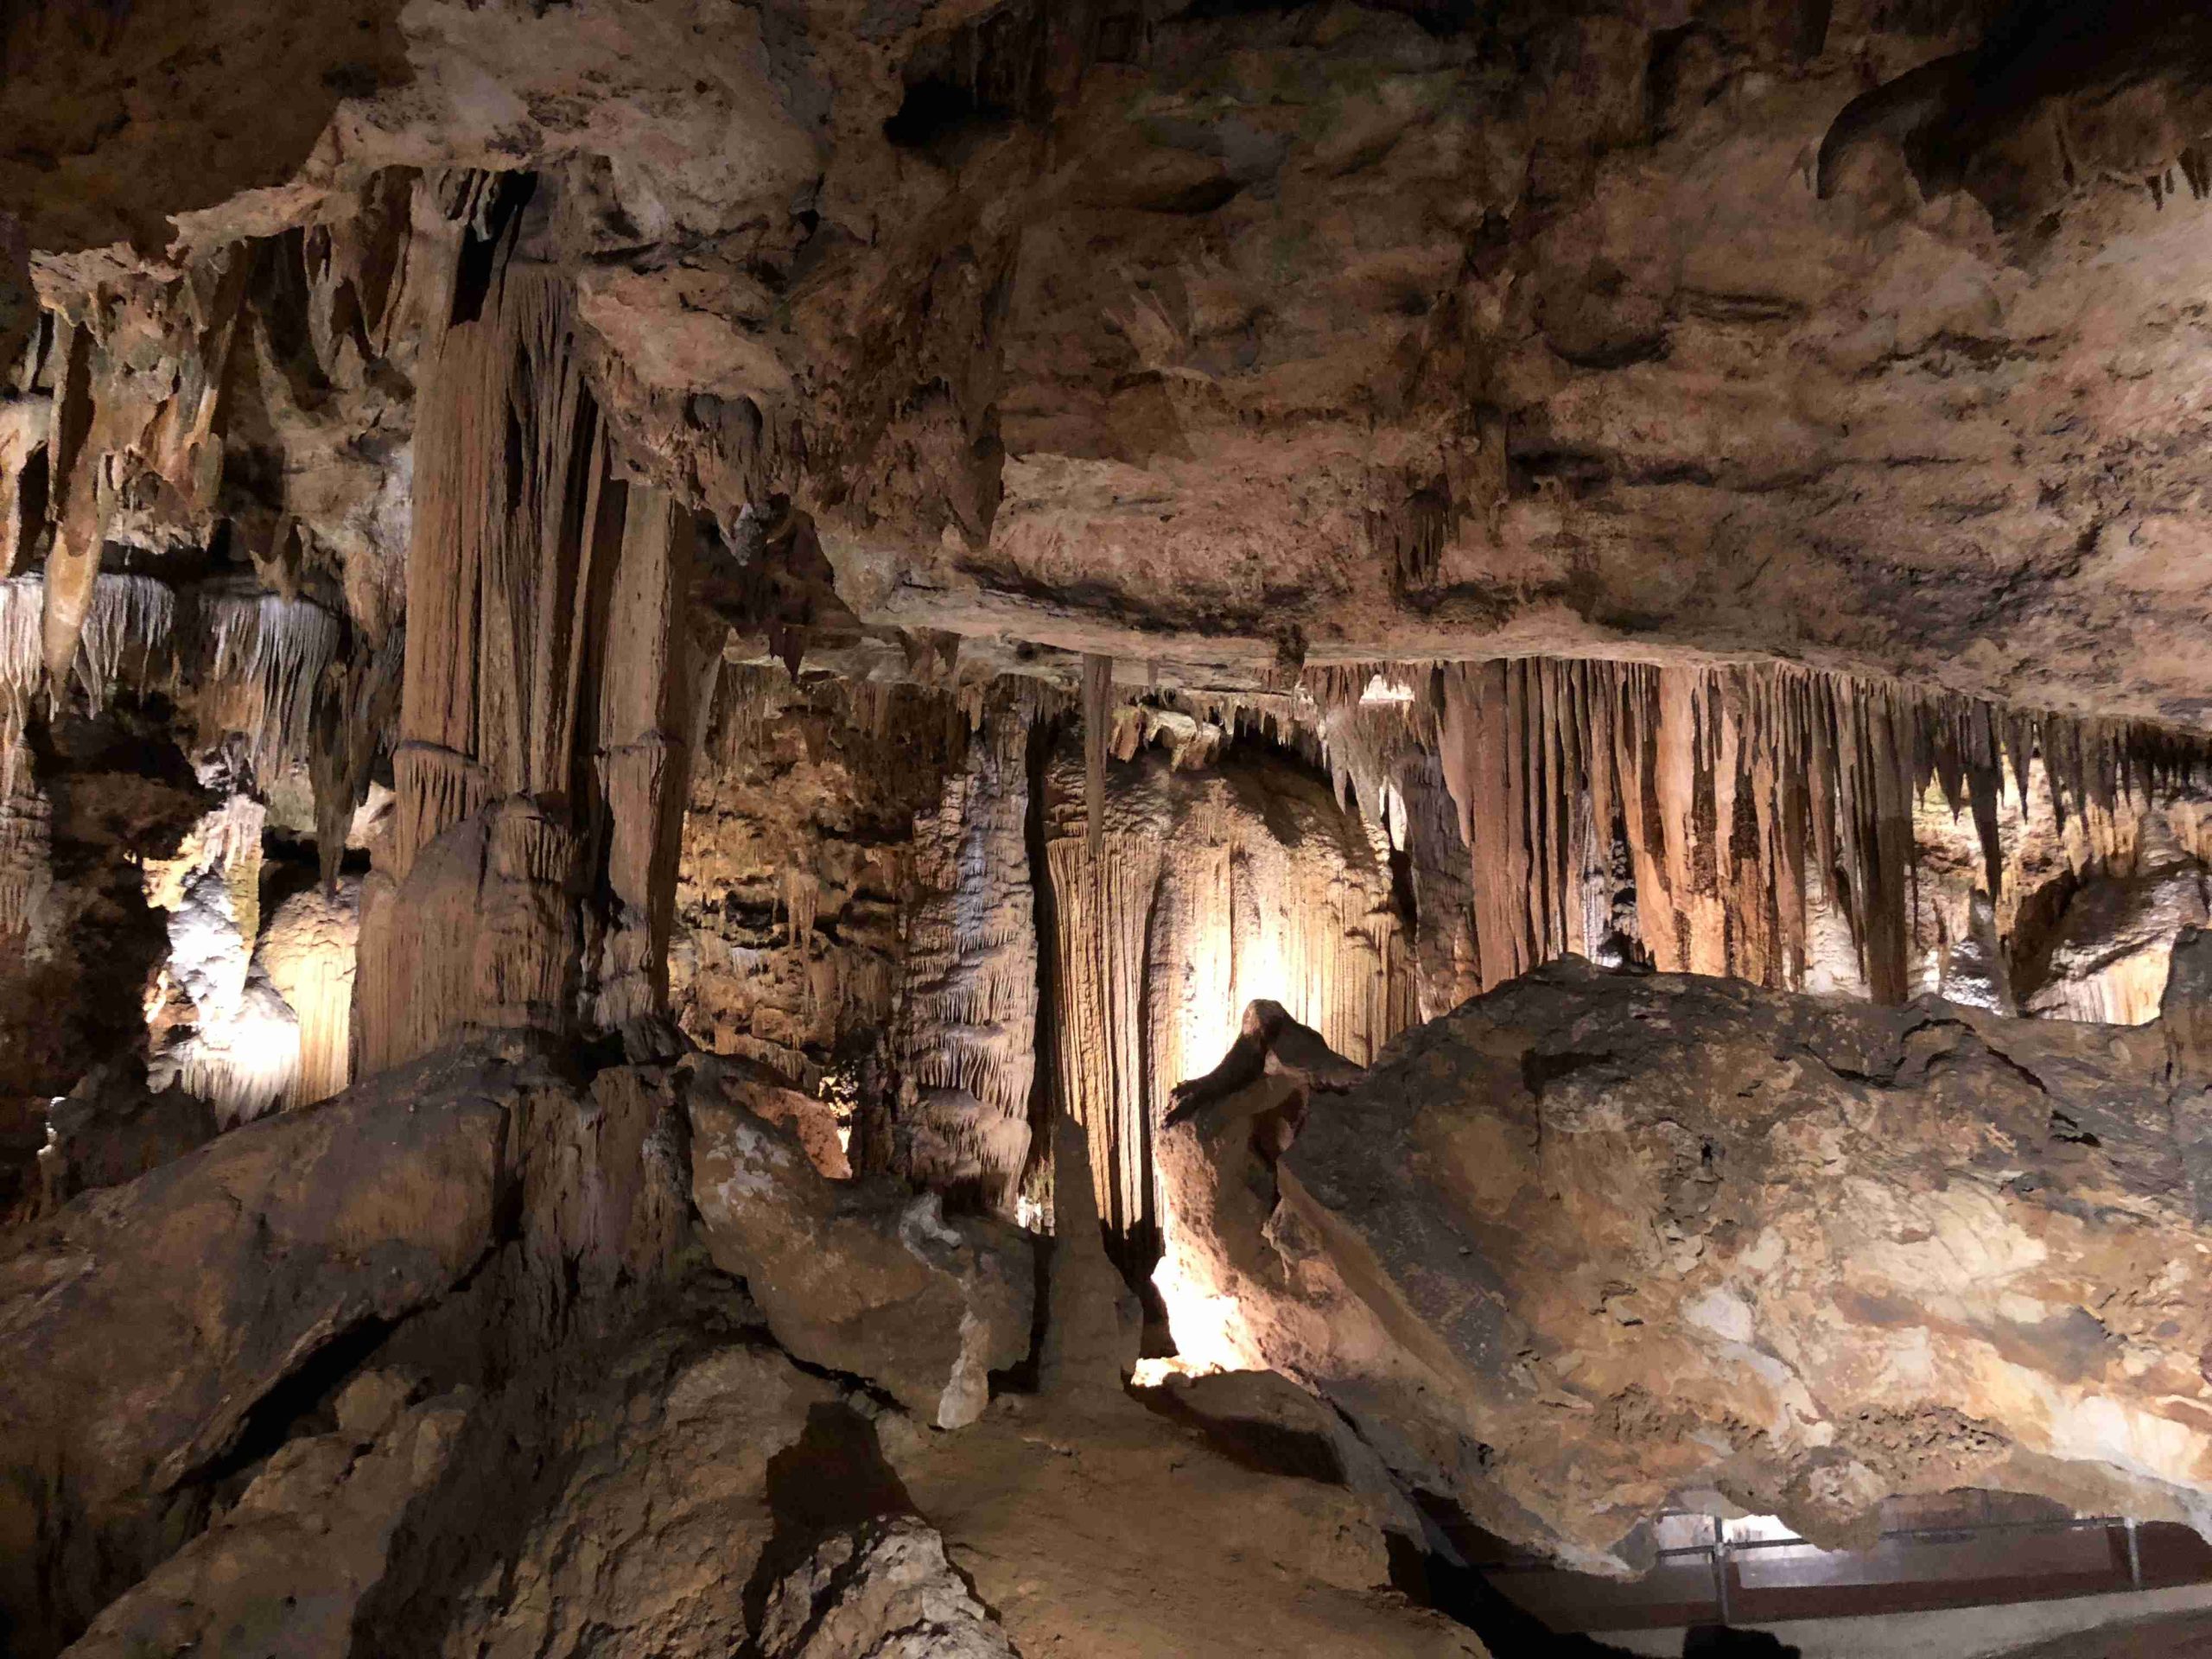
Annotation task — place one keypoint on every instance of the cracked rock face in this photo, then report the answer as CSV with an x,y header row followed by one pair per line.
x,y
1592,1243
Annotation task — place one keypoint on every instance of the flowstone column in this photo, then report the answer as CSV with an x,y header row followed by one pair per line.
x,y
529,879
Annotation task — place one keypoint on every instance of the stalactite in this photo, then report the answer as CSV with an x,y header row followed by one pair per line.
x,y
642,758
1097,697
1749,801
275,651
139,387
128,623
25,424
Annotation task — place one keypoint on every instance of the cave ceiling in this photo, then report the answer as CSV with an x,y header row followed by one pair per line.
x,y
1227,337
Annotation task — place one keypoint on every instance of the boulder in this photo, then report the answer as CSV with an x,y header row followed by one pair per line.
x,y
113,1128
283,1571
1592,1244
639,1525
144,1325
862,1276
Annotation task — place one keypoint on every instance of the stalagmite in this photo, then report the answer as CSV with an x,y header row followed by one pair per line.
x,y
308,952
964,1040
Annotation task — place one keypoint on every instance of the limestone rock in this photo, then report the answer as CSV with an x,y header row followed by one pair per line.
x,y
1270,1420
642,1529
1590,1241
2106,958
112,1128
231,1269
284,1570
863,1276
1104,1530
883,1591
308,952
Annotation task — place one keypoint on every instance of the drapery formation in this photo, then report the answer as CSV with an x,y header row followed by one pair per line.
x,y
1728,810
1197,894
542,726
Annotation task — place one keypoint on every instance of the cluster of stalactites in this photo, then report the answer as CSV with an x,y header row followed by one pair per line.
x,y
128,632
1734,799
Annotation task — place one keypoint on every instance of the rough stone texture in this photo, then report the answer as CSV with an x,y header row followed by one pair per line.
x,y
642,1527
798,855
283,1571
113,1129
1591,1242
230,1268
882,1591
865,1277
1391,328
964,1044
1110,1534
2108,955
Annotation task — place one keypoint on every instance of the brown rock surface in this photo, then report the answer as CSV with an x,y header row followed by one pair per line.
x,y
1593,1243
284,1570
866,1276
1111,1534
143,1325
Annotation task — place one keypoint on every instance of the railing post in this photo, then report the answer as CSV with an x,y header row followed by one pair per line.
x,y
1720,1565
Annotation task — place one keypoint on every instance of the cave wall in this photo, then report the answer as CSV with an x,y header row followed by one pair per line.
x,y
797,855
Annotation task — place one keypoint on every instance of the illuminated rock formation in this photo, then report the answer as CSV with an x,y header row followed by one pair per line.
x,y
308,953
1593,1243
1204,890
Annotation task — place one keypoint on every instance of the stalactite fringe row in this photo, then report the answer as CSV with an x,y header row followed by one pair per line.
x,y
1738,802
